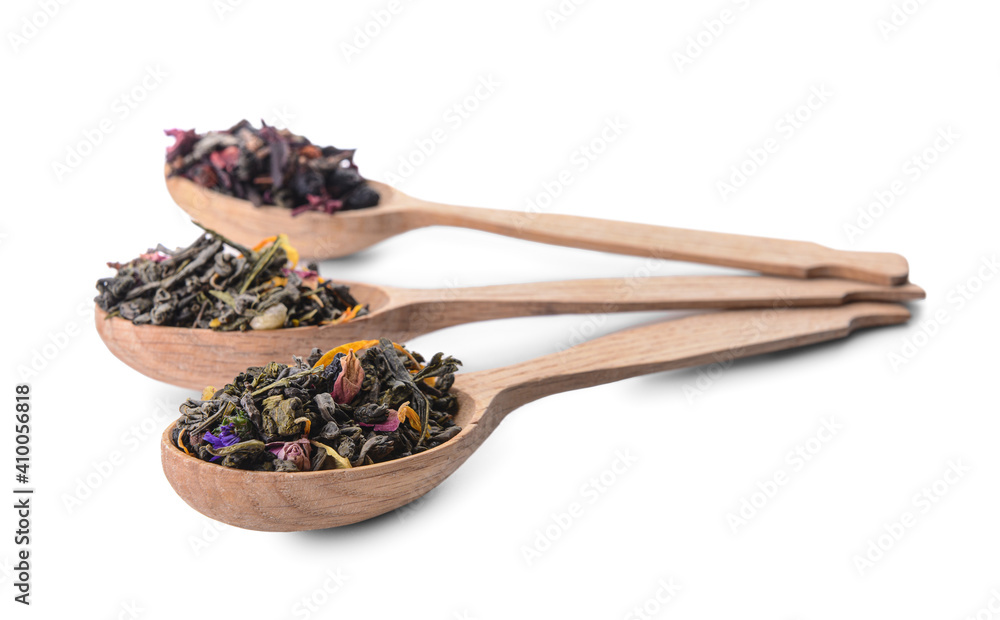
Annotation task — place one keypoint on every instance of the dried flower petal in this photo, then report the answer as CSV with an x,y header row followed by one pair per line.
x,y
226,159
348,384
323,204
339,461
391,423
297,452
359,345
205,176
226,437
407,413
184,141
282,240
156,257
264,243
347,315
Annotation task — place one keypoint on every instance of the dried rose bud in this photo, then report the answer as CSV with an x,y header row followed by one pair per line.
x,y
297,452
348,384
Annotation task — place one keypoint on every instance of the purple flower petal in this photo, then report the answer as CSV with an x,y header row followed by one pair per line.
x,y
184,141
391,423
225,438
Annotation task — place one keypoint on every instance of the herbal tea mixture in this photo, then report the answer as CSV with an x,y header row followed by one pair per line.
x,y
270,166
362,403
208,285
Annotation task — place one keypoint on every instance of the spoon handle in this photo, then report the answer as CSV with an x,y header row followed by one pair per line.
x,y
780,257
718,337
439,308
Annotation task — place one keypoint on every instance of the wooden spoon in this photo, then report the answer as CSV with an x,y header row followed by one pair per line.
x,y
319,235
312,500
194,358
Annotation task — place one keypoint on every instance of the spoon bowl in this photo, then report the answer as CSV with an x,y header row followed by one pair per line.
x,y
272,501
194,358
314,235
322,236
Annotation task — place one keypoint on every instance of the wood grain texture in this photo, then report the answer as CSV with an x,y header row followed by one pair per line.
x,y
194,358
324,236
312,500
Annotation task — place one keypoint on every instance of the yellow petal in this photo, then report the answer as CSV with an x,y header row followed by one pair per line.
x,y
214,323
290,252
208,393
407,413
341,462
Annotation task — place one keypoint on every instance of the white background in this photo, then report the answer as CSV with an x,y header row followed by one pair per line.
x,y
131,544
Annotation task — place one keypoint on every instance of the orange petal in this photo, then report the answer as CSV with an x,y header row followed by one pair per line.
x,y
281,240
347,315
360,345
260,246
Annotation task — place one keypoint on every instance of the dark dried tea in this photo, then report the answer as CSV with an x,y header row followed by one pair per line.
x,y
216,284
270,166
362,403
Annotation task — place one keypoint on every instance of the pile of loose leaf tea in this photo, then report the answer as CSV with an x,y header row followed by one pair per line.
x,y
270,166
362,403
217,284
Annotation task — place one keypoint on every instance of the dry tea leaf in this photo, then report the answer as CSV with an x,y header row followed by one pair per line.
x,y
217,284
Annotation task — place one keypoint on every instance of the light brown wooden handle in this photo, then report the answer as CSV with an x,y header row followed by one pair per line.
x,y
689,341
445,307
799,259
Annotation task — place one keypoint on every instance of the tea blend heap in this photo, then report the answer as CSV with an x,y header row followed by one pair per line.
x,y
362,403
208,285
270,166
